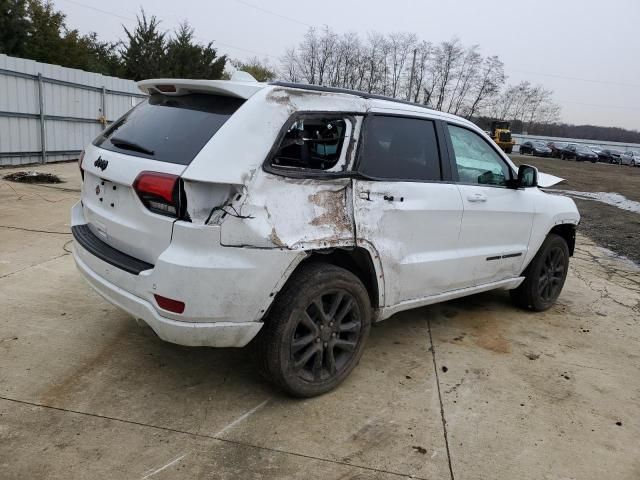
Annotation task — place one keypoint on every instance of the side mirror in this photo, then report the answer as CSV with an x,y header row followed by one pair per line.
x,y
527,176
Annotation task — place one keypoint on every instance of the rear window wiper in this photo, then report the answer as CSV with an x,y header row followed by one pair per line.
x,y
127,145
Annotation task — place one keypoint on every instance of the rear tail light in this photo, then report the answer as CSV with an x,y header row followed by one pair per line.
x,y
80,159
175,306
161,193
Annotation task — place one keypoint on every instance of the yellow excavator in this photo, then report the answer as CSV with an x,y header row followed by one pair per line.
x,y
501,134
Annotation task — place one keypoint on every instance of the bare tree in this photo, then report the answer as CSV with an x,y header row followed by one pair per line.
x,y
487,84
326,45
466,75
373,57
447,76
289,66
448,57
424,52
308,56
400,44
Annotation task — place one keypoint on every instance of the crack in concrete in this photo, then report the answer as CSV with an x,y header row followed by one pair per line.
x,y
212,437
36,265
613,273
444,421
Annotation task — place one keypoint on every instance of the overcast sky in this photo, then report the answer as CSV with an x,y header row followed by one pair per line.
x,y
587,52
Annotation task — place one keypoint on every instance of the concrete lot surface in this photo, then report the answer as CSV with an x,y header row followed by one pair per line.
x,y
469,389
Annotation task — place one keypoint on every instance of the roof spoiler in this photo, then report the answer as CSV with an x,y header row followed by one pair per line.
x,y
242,85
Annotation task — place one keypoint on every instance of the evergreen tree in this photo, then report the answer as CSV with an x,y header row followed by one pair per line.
x,y
187,59
143,54
45,43
14,27
48,40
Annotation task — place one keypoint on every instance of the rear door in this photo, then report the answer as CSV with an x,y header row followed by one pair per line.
x,y
154,143
403,209
497,220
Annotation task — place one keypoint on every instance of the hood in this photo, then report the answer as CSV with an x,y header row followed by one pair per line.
x,y
545,180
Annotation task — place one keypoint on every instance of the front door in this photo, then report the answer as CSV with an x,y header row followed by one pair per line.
x,y
497,220
402,209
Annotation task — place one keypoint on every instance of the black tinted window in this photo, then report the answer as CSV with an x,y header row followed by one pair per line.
x,y
169,129
398,148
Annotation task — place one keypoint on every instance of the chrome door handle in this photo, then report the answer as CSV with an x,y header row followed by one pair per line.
x,y
477,197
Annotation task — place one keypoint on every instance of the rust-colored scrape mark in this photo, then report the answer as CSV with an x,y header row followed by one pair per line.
x,y
275,239
486,329
494,342
334,204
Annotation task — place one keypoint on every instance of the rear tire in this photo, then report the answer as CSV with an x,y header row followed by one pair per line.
x,y
316,330
544,277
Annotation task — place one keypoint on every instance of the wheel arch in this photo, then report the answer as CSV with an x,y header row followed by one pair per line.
x,y
568,232
357,260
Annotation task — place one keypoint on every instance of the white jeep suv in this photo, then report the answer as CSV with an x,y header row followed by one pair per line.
x,y
219,211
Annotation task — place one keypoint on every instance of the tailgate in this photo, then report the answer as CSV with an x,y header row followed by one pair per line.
x,y
113,210
154,142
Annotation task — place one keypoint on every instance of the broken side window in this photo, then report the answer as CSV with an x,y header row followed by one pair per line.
x,y
314,143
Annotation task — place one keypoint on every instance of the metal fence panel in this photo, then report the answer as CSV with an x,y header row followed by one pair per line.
x,y
75,107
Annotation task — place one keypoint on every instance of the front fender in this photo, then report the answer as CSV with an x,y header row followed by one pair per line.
x,y
551,210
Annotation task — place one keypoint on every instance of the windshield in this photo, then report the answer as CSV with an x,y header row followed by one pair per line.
x,y
169,129
539,145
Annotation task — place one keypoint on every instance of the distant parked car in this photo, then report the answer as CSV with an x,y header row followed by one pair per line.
x,y
609,156
584,154
568,151
556,148
539,149
630,158
579,152
595,149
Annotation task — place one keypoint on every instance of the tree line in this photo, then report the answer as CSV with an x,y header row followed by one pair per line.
x,y
587,132
34,29
446,76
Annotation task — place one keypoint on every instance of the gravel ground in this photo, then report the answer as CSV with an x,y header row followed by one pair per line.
x,y
613,228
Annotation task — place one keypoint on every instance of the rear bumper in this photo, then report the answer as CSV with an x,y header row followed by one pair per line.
x,y
226,290
191,334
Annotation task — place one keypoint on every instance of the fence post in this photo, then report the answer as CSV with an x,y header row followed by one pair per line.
x,y
104,107
43,138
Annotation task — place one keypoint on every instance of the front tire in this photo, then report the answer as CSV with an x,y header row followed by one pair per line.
x,y
316,330
544,277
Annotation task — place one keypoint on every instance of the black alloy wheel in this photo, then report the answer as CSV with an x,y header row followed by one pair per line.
x,y
325,337
552,274
316,329
544,277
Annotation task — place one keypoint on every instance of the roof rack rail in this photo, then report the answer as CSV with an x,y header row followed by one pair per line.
x,y
358,93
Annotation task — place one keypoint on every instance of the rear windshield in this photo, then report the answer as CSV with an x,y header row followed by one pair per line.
x,y
169,129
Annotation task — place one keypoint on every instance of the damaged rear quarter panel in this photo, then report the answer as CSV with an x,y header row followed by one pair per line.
x,y
278,211
293,213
